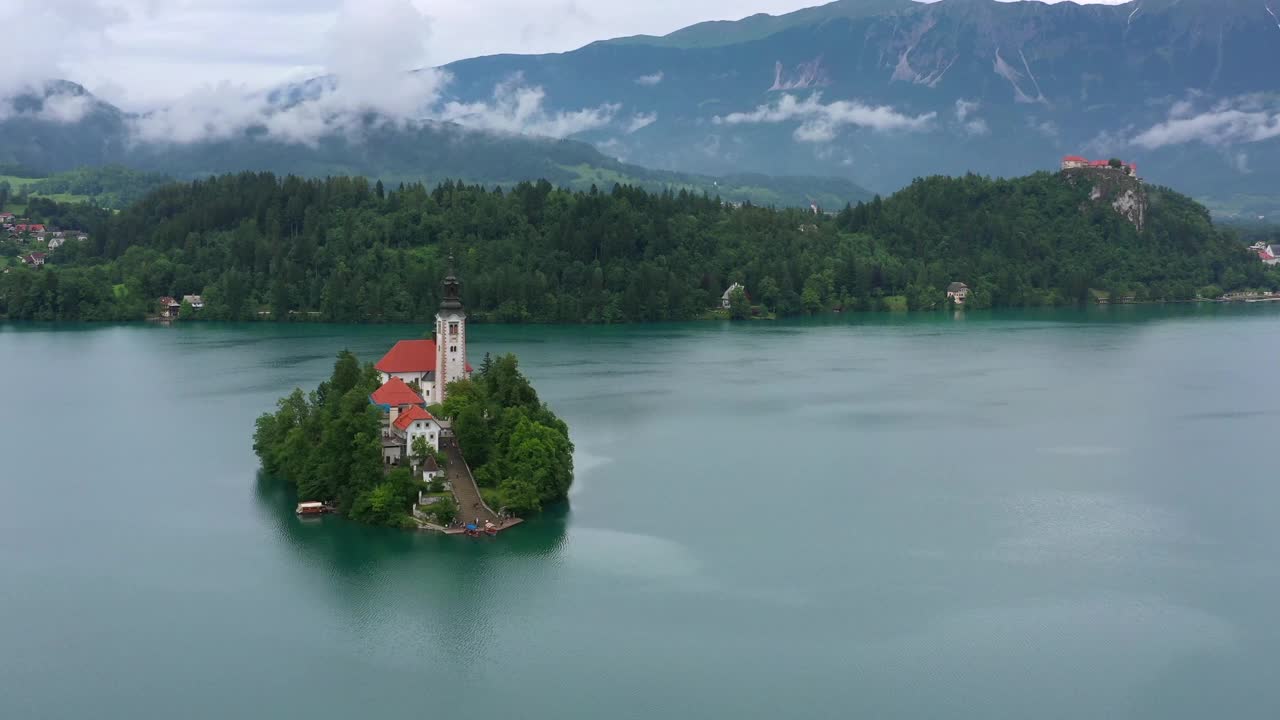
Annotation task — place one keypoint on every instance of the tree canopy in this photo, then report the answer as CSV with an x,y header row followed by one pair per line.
x,y
328,445
512,441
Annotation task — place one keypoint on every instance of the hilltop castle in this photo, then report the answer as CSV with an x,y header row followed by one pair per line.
x,y
1072,162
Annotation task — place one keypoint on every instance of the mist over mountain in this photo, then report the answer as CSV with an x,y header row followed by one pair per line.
x,y
853,94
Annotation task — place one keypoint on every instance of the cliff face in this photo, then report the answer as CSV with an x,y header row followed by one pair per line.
x,y
1123,192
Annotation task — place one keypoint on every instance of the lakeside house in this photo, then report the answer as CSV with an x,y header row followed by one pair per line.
x,y
195,301
724,299
1268,254
957,292
169,308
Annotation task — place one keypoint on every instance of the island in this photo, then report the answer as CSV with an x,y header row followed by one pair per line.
x,y
383,443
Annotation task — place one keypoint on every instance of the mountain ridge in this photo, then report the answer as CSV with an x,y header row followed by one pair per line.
x,y
33,136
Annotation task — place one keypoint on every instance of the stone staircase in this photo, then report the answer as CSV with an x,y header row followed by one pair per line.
x,y
470,505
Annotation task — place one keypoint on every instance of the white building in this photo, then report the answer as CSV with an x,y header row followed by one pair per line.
x,y
957,292
414,423
724,299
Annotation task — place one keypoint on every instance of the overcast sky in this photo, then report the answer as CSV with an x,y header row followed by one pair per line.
x,y
142,53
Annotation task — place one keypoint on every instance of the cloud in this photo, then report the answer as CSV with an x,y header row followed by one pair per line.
x,y
1048,128
365,83
79,26
965,108
650,80
1222,126
640,121
65,107
821,123
516,108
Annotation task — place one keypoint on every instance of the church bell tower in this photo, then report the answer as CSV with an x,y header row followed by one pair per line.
x,y
451,336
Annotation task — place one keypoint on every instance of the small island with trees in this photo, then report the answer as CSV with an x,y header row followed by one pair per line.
x,y
383,443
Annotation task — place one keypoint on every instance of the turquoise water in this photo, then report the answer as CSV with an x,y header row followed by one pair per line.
x,y
1051,515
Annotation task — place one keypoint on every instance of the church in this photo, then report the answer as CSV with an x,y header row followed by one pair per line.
x,y
416,373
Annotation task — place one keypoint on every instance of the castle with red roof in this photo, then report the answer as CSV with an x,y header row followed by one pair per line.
x,y
1071,162
417,373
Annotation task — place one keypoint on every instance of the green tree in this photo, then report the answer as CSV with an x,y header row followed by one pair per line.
x,y
739,306
421,450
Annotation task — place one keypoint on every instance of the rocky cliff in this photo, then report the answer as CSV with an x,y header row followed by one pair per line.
x,y
1125,193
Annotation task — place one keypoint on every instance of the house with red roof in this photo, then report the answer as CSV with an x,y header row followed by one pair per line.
x,y
169,307
410,424
394,397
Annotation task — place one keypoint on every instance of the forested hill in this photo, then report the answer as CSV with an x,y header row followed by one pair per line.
x,y
259,246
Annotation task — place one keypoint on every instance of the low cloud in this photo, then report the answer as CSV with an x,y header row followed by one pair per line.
x,y
1222,126
640,121
822,122
1047,128
969,122
518,109
65,108
363,81
366,84
650,80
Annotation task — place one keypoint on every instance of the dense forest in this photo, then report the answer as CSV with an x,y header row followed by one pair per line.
x,y
257,246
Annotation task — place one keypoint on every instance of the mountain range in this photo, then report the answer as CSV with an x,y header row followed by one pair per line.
x,y
864,93
882,91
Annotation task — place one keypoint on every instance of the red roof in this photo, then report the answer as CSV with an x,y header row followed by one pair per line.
x,y
395,394
409,356
408,416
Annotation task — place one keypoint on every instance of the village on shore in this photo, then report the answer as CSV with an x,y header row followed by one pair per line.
x,y
39,238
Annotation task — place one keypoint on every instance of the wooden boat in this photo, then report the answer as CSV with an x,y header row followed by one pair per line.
x,y
311,508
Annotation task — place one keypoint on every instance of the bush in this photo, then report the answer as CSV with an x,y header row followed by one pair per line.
x,y
492,497
444,511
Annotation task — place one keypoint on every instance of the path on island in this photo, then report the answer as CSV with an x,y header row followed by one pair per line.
x,y
465,491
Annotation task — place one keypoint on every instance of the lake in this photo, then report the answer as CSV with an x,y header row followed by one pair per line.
x,y
1058,514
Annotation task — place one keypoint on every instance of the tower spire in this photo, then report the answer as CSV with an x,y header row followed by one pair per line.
x,y
451,298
